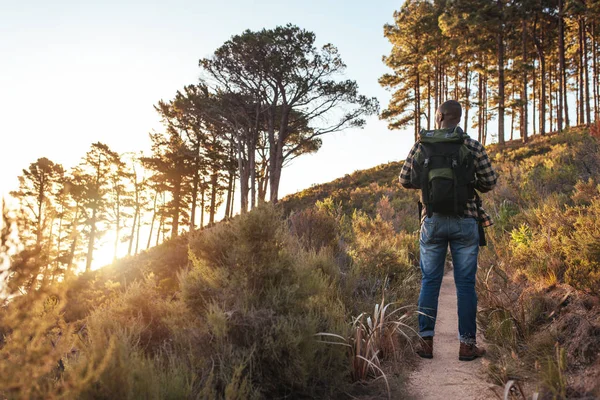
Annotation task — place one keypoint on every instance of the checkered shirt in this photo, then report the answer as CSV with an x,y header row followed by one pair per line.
x,y
486,178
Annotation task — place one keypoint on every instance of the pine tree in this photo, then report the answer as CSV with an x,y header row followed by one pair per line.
x,y
93,176
39,188
281,71
171,163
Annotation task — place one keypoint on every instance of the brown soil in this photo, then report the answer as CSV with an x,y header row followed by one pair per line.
x,y
444,376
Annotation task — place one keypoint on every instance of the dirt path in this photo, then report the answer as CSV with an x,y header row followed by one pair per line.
x,y
444,377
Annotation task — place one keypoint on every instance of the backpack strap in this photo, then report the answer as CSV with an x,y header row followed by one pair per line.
x,y
455,185
425,183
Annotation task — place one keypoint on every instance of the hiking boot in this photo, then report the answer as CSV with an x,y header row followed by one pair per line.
x,y
425,349
469,352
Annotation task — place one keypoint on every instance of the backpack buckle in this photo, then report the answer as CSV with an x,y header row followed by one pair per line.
x,y
454,163
426,163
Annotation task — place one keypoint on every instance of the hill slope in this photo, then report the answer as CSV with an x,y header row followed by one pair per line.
x,y
232,312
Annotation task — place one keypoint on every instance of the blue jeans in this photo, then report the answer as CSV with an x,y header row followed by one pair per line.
x,y
462,234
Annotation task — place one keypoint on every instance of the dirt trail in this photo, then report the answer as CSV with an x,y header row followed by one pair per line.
x,y
444,376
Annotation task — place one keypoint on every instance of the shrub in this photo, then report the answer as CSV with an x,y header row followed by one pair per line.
x,y
315,228
262,300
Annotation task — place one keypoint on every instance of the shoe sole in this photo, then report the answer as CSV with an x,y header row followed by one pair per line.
x,y
462,358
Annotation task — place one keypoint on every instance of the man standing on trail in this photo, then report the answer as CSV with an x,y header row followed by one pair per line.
x,y
448,166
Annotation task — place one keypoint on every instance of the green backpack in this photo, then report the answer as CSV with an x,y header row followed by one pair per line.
x,y
444,169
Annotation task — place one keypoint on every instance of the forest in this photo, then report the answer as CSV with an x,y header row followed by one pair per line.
x,y
266,98
520,64
313,295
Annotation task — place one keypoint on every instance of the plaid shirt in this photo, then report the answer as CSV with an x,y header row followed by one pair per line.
x,y
486,178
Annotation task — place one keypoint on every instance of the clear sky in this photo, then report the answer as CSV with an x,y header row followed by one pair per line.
x,y
77,72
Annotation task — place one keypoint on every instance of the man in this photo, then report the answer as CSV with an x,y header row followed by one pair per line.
x,y
461,232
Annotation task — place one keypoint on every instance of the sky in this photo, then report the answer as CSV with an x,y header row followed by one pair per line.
x,y
76,72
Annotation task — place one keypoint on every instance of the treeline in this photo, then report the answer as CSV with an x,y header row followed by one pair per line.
x,y
264,98
525,61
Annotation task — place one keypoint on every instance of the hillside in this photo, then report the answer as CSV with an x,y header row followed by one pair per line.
x,y
266,306
540,274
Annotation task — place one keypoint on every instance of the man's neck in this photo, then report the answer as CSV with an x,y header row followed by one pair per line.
x,y
448,126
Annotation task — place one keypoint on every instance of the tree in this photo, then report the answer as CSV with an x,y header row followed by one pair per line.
x,y
282,72
413,37
93,176
120,196
191,116
171,163
39,186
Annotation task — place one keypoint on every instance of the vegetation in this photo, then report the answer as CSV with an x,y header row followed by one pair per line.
x,y
526,60
538,276
237,318
265,98
242,309
276,302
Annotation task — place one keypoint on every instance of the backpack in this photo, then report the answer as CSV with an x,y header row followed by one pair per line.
x,y
444,169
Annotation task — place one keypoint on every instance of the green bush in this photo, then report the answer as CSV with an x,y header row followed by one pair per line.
x,y
262,298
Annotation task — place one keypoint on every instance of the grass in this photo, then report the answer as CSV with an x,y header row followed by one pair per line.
x,y
372,339
236,311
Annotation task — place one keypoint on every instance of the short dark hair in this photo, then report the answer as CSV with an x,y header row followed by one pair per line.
x,y
451,110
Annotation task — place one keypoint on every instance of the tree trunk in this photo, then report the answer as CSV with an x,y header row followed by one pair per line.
x,y
417,105
480,108
214,182
263,183
428,102
135,217
252,169
485,110
535,99
137,234
524,99
436,84
542,101
580,85
161,223
500,45
467,94
90,252
202,204
244,176
596,83
130,248
40,203
176,207
456,80
74,236
595,72
512,113
59,238
49,246
588,116
562,70
274,178
153,219
551,86
232,199
276,153
446,85
117,228
229,189
195,184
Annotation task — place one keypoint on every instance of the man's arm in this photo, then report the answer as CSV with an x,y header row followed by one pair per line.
x,y
486,176
407,168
